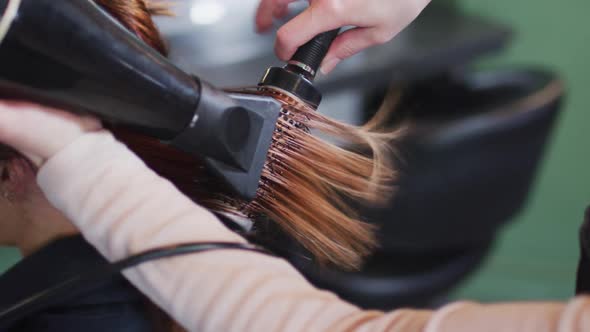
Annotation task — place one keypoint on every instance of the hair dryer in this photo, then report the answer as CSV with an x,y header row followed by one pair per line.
x,y
72,55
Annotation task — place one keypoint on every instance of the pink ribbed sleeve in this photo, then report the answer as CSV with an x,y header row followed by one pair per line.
x,y
122,208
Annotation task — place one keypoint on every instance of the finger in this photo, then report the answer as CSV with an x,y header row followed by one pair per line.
x,y
281,11
350,43
264,15
266,12
317,18
37,131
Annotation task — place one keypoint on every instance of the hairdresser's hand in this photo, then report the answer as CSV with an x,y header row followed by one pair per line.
x,y
39,132
377,22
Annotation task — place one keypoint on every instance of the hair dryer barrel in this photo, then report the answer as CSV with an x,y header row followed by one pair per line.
x,y
70,53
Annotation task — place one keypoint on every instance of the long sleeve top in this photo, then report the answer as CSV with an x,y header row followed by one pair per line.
x,y
122,208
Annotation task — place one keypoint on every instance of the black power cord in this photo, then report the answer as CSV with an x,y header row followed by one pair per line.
x,y
84,282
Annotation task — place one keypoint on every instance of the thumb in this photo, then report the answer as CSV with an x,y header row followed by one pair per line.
x,y
314,20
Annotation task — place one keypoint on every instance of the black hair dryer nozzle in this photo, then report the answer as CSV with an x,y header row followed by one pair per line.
x,y
71,54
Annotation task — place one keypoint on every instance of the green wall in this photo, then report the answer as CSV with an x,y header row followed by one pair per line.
x,y
536,256
8,257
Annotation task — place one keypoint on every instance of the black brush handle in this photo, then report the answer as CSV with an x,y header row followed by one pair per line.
x,y
312,53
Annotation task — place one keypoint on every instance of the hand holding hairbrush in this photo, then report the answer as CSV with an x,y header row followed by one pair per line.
x,y
296,78
375,22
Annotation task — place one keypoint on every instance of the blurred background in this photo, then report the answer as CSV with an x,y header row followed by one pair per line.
x,y
529,190
536,256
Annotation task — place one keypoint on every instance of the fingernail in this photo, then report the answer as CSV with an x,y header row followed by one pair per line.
x,y
328,65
